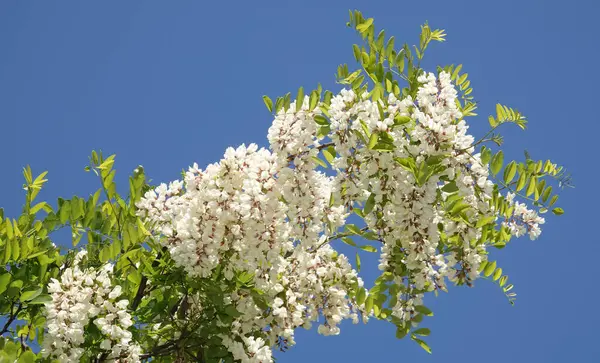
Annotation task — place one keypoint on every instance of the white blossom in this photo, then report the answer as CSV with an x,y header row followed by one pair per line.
x,y
83,296
269,212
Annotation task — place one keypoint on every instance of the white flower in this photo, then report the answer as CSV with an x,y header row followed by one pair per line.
x,y
79,297
269,214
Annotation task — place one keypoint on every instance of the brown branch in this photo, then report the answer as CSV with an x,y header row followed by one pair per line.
x,y
11,319
320,147
144,282
24,345
140,293
167,348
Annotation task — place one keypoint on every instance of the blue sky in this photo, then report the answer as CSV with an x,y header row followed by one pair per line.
x,y
165,84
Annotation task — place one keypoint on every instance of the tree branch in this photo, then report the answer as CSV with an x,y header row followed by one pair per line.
x,y
11,319
144,282
320,147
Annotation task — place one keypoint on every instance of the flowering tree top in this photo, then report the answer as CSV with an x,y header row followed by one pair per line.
x,y
227,263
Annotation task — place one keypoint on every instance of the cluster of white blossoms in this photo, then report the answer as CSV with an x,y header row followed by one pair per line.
x,y
249,350
271,214
523,220
413,216
81,296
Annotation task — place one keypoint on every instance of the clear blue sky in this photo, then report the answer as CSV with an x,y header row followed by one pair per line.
x,y
168,83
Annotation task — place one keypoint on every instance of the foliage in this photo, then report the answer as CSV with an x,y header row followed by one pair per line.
x,y
224,265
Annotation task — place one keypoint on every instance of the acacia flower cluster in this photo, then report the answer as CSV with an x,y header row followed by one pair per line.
x,y
81,297
252,213
523,220
227,263
270,214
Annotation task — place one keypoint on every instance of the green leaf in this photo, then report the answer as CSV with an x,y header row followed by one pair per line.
x,y
365,26
135,277
30,295
27,357
313,100
509,172
40,206
348,241
503,280
369,204
383,147
489,269
422,332
500,112
64,212
142,228
459,207
485,220
268,102
232,311
318,161
531,186
357,262
558,211
522,181
373,140
39,181
4,280
546,194
361,295
497,161
368,248
423,310
77,208
107,164
407,163
401,332
321,120
486,155
7,252
27,174
41,299
9,228
369,304
456,70
16,250
299,99
401,120
422,344
329,155
450,187
497,274
353,229
357,52
371,235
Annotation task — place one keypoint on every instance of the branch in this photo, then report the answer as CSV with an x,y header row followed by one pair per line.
x,y
320,147
166,349
340,235
11,319
139,295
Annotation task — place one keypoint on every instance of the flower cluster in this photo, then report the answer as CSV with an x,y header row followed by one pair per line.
x,y
81,296
523,220
408,166
431,149
254,213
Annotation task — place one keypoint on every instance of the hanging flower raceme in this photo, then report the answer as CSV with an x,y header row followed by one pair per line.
x,y
406,166
81,297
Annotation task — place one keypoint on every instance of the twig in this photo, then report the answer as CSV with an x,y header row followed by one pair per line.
x,y
144,282
13,316
320,147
